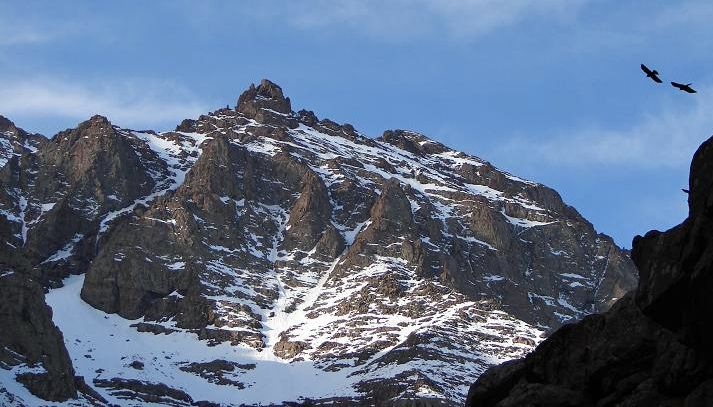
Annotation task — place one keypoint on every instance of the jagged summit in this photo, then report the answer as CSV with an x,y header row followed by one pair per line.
x,y
9,129
98,119
6,124
370,270
267,104
15,141
267,95
97,125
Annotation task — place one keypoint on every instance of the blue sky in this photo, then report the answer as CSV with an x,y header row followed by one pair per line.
x,y
546,89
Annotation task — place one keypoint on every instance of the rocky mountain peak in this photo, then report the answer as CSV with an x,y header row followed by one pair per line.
x,y
6,125
95,124
14,142
267,95
98,119
270,90
291,242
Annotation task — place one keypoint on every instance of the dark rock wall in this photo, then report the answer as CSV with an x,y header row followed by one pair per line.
x,y
30,338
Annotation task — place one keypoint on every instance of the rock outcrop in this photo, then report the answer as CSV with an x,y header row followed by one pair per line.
x,y
30,343
652,348
55,196
32,347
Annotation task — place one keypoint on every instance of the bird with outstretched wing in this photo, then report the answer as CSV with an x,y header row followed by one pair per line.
x,y
686,88
654,75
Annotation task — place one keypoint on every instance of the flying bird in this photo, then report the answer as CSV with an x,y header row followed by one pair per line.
x,y
654,75
686,88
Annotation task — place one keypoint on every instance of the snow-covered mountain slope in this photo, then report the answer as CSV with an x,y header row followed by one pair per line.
x,y
256,246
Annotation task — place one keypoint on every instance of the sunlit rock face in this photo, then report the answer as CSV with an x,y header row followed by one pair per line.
x,y
257,245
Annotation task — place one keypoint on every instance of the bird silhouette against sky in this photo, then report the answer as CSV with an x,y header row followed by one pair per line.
x,y
686,88
654,75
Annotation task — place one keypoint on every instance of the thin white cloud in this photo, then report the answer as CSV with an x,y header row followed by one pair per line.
x,y
21,37
398,20
666,139
138,103
13,33
20,31
465,19
686,14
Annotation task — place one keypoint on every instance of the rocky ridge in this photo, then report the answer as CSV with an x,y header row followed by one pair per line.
x,y
396,266
652,348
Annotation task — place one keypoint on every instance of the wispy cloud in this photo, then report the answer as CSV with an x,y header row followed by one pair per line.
x,y
687,13
132,103
665,139
398,20
21,37
13,33
19,31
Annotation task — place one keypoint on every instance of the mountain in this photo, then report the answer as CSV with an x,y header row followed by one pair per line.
x,y
652,348
258,255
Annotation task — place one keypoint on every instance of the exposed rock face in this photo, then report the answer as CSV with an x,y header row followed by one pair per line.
x,y
651,348
55,196
31,346
14,141
30,341
378,264
266,104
